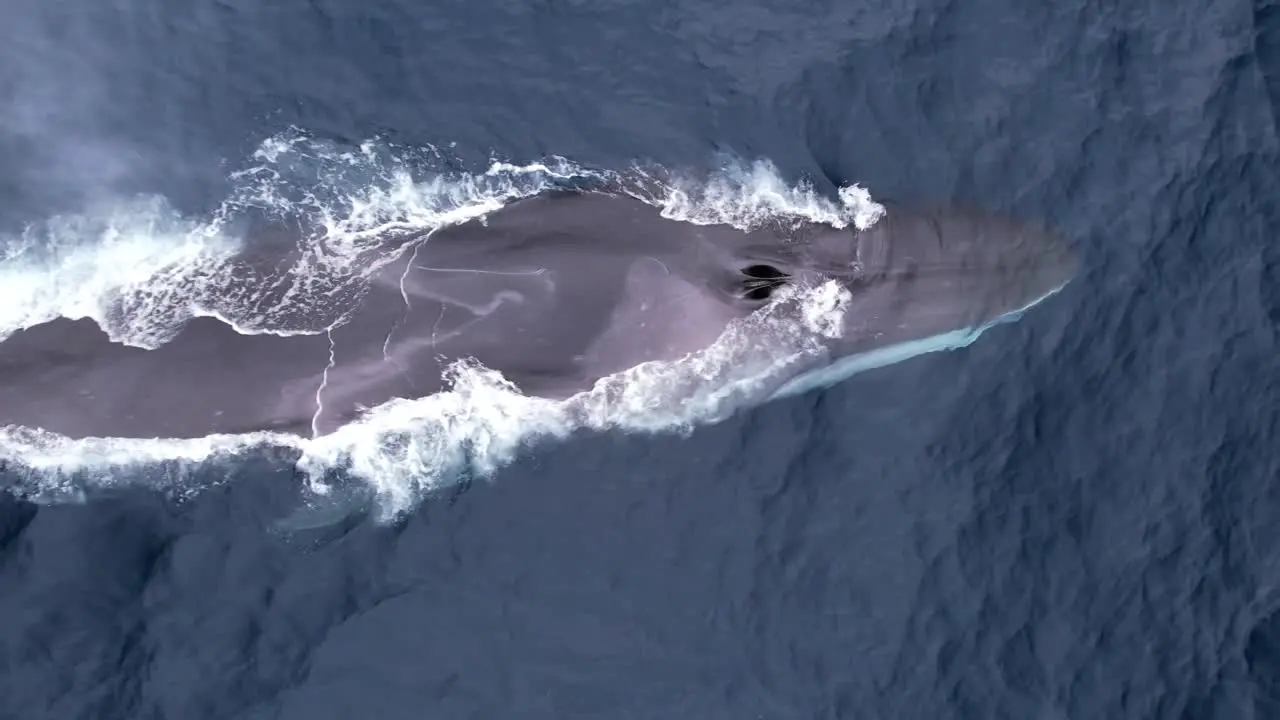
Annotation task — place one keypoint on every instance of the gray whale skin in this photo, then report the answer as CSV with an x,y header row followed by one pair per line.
x,y
555,291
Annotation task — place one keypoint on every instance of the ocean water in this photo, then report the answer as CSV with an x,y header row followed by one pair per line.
x,y
1072,516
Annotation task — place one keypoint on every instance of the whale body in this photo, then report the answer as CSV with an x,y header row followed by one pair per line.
x,y
554,291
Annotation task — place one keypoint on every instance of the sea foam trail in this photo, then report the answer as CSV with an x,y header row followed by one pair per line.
x,y
140,271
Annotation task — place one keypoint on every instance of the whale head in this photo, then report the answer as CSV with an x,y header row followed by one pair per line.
x,y
911,283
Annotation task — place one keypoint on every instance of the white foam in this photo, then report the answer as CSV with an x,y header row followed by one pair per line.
x,y
131,268
50,468
749,195
140,270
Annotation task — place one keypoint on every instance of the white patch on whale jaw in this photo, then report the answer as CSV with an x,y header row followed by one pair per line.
x,y
846,367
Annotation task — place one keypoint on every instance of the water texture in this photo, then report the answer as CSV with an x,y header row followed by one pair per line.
x,y
1072,517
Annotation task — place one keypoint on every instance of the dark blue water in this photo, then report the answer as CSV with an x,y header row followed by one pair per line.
x,y
1076,517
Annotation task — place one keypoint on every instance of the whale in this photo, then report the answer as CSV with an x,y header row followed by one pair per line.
x,y
555,291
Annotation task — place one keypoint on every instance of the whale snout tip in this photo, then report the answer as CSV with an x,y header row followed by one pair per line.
x,y
1057,264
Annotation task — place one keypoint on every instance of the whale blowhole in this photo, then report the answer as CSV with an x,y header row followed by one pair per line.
x,y
761,281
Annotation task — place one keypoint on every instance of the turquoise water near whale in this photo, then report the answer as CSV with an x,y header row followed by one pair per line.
x,y
1071,516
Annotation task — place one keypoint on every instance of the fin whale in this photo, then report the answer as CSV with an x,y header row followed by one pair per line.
x,y
554,291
